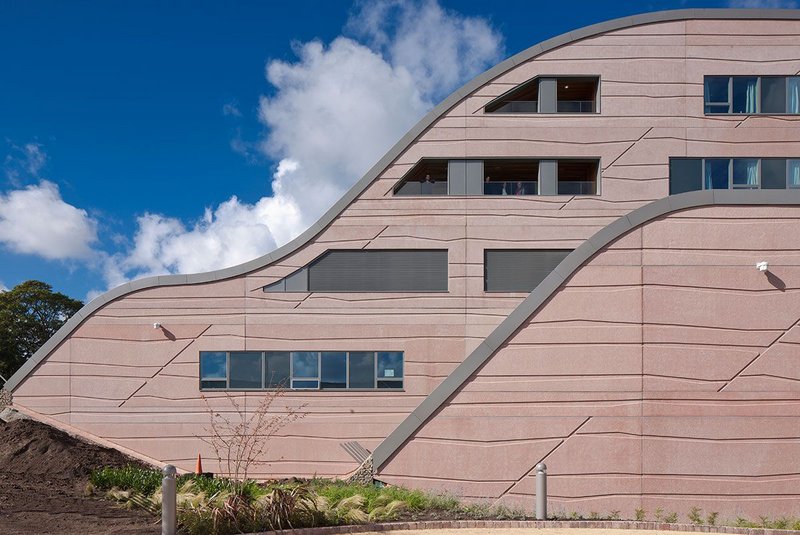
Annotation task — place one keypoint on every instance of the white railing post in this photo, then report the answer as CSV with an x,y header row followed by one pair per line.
x,y
168,501
541,491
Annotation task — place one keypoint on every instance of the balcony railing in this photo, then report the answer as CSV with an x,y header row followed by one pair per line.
x,y
518,106
575,106
515,187
574,187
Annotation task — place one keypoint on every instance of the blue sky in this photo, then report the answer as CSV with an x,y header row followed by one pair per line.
x,y
148,137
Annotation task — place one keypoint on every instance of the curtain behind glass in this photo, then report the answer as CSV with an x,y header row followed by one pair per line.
x,y
793,94
794,173
751,96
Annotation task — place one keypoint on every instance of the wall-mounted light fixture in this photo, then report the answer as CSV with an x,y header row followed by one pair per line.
x,y
156,325
762,266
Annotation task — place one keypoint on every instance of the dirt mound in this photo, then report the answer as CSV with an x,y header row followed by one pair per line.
x,y
43,475
29,447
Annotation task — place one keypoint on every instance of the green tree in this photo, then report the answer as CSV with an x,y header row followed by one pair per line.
x,y
30,313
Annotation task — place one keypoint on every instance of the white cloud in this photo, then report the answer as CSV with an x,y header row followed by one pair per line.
x,y
24,161
231,109
764,4
36,220
3,287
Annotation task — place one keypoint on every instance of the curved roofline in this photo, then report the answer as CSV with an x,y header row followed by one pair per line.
x,y
542,293
388,158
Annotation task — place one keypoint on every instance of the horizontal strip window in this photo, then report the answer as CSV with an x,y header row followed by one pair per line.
x,y
694,174
564,94
301,370
402,270
519,270
502,177
750,95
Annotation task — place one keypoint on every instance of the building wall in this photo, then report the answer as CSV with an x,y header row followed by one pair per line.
x,y
663,373
118,379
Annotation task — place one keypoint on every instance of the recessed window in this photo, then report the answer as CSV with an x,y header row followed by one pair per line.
x,y
301,370
576,95
428,177
565,94
511,177
751,94
693,174
577,177
370,270
519,270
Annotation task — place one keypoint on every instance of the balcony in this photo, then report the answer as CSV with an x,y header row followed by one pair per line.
x,y
510,187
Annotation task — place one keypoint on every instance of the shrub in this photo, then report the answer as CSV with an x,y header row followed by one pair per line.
x,y
671,518
711,519
640,514
143,480
694,516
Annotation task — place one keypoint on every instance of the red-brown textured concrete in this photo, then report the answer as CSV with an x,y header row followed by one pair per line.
x,y
661,327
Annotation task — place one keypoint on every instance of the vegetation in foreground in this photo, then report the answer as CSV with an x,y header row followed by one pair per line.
x,y
209,505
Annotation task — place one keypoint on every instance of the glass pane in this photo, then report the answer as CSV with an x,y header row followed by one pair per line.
x,y
208,385
305,364
362,370
745,172
773,94
213,365
773,173
390,365
390,384
717,108
716,89
685,174
793,172
305,385
717,173
277,372
793,94
334,370
744,94
246,370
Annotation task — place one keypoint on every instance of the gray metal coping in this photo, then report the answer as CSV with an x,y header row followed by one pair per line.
x,y
388,158
531,304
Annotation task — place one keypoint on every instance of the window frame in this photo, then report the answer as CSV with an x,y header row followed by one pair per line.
x,y
731,186
759,78
290,387
497,101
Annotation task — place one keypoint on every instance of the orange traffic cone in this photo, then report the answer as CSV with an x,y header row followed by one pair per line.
x,y
199,468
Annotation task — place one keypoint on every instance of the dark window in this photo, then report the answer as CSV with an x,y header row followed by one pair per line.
x,y
523,99
685,174
717,173
745,94
334,370
773,94
519,270
301,370
362,370
511,177
246,371
735,173
752,94
577,177
213,369
412,270
428,177
574,94
277,373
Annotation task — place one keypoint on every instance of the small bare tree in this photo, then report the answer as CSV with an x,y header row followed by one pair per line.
x,y
240,439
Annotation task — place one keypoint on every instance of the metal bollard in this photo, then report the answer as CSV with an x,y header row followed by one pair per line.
x,y
168,501
541,491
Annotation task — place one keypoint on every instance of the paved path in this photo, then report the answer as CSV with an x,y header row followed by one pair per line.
x,y
527,531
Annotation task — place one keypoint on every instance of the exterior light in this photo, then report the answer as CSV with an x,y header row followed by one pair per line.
x,y
762,266
156,325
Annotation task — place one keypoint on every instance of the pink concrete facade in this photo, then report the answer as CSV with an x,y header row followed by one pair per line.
x,y
663,373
